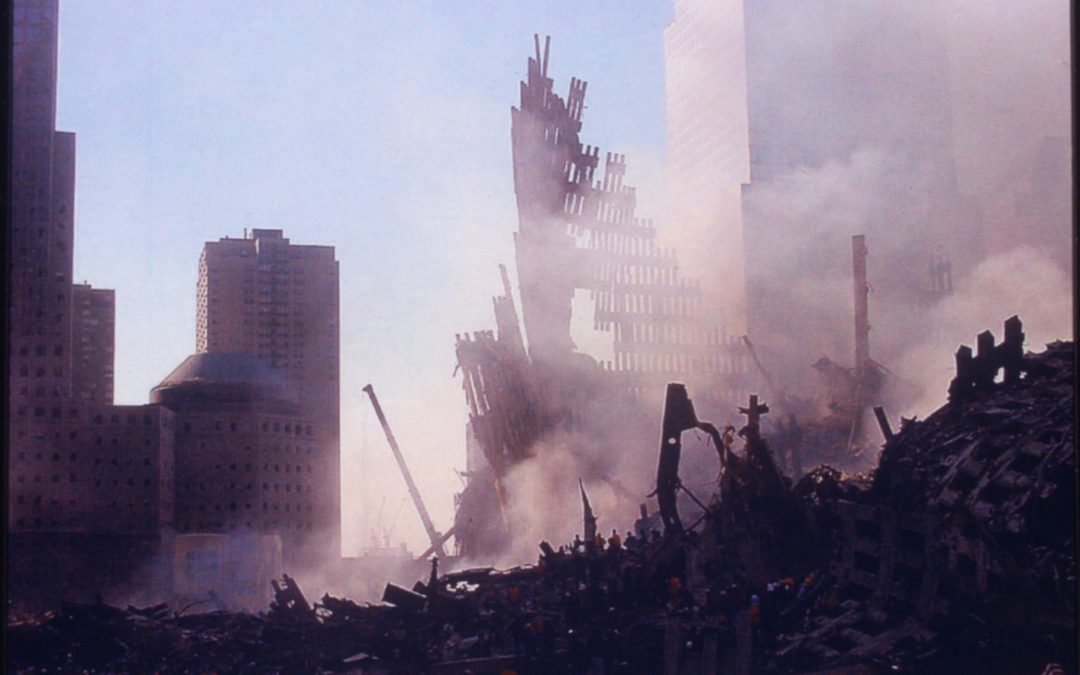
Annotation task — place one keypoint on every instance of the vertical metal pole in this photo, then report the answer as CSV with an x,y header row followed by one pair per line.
x,y
862,313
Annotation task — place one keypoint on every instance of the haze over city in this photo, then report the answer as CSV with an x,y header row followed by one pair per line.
x,y
383,131
720,336
378,129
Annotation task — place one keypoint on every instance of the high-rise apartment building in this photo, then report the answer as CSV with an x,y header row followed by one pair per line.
x,y
93,340
265,296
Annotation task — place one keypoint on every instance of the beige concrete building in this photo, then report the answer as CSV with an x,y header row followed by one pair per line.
x,y
264,296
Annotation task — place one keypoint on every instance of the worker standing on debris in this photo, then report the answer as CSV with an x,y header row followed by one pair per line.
x,y
755,611
615,541
674,586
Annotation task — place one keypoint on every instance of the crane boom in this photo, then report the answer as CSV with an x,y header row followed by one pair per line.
x,y
432,533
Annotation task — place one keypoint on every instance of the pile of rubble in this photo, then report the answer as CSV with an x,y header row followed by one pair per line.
x,y
961,552
956,555
608,604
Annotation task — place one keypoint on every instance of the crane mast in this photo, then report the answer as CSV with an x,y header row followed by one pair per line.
x,y
433,535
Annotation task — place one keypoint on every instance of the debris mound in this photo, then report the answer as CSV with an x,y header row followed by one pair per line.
x,y
957,554
961,555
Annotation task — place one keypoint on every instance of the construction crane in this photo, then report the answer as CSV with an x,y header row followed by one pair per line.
x,y
434,536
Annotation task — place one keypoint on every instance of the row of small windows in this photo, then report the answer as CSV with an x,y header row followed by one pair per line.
x,y
55,456
288,487
129,526
131,419
203,526
24,371
277,427
40,350
147,482
74,478
288,468
37,501
266,467
289,429
21,456
288,507
40,411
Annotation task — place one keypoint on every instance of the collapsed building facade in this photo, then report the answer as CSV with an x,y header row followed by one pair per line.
x,y
578,233
577,230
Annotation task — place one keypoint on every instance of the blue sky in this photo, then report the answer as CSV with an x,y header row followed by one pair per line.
x,y
380,128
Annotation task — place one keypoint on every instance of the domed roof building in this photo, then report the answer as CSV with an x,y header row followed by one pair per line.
x,y
247,458
244,380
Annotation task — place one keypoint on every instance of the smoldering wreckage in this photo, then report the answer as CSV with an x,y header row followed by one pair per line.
x,y
956,555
